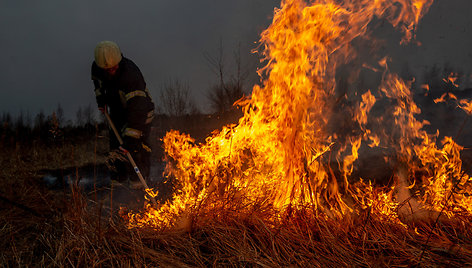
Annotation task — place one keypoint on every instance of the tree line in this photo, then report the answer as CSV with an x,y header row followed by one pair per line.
x,y
54,127
232,78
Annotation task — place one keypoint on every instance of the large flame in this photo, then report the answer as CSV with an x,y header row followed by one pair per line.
x,y
278,158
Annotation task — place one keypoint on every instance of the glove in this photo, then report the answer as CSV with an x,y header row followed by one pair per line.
x,y
129,145
113,158
123,150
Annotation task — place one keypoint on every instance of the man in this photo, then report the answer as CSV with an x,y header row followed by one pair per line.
x,y
120,89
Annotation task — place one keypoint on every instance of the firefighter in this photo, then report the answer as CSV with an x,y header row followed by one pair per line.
x,y
121,91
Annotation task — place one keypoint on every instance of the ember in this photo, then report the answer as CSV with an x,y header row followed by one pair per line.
x,y
277,159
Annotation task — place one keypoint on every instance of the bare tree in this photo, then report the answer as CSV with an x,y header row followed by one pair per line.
x,y
60,115
175,98
40,120
89,115
228,90
79,117
216,63
20,122
222,98
6,119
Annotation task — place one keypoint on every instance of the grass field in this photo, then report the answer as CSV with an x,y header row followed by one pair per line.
x,y
42,227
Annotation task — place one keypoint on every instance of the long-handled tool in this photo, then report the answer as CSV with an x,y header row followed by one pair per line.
x,y
130,158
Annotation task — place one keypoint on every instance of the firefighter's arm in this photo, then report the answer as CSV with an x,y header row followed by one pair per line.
x,y
137,117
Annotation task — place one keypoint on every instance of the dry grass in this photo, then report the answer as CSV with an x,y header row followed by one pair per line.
x,y
64,228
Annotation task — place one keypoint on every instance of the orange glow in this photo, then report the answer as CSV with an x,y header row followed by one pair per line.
x,y
441,99
466,105
278,157
452,78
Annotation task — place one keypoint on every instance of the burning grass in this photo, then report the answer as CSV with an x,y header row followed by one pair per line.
x,y
276,163
85,239
277,189
280,155
70,228
303,240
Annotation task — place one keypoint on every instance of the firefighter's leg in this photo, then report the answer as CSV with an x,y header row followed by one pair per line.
x,y
116,162
142,158
146,160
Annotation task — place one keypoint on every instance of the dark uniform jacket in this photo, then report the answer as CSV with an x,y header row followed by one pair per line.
x,y
129,102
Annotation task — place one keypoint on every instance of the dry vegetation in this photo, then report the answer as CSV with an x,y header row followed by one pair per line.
x,y
42,227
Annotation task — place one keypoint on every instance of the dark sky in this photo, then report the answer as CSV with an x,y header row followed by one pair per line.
x,y
47,46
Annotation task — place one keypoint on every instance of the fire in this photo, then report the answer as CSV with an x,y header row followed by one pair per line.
x,y
452,79
466,105
279,157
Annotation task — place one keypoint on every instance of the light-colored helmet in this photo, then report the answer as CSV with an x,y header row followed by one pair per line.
x,y
107,54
